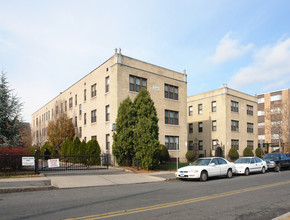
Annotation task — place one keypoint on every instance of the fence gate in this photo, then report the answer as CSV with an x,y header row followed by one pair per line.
x,y
64,163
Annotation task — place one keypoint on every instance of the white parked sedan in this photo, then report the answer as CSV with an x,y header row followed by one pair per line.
x,y
206,167
247,165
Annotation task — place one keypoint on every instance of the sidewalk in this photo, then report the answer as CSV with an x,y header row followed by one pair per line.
x,y
113,176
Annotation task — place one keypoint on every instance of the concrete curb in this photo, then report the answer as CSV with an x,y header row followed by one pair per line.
x,y
25,189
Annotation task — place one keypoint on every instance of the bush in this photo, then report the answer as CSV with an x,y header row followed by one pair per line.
x,y
164,155
189,156
32,150
93,149
259,152
233,154
248,152
65,147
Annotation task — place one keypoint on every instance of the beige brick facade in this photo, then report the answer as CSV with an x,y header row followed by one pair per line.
x,y
221,117
112,82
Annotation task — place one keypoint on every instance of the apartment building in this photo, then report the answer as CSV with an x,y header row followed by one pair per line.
x,y
92,102
273,120
221,119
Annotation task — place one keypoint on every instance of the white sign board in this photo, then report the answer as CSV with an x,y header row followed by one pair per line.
x,y
28,161
53,163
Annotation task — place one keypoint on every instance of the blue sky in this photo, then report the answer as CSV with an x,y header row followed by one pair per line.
x,y
46,46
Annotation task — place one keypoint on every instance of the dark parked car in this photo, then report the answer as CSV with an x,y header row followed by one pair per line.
x,y
276,161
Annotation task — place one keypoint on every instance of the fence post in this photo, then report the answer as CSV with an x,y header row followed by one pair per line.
x,y
36,162
107,158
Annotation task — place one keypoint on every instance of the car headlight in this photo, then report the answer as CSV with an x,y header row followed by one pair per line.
x,y
193,171
272,162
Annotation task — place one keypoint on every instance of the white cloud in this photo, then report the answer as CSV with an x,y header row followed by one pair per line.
x,y
229,49
271,67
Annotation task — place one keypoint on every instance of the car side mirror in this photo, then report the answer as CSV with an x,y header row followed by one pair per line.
x,y
212,164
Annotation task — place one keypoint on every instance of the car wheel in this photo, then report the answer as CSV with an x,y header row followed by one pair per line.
x,y
263,170
247,172
277,168
203,176
229,173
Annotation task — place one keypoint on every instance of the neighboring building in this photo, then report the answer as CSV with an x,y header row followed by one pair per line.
x,y
273,120
92,103
221,118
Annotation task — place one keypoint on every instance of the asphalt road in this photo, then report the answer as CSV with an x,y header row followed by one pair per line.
x,y
256,196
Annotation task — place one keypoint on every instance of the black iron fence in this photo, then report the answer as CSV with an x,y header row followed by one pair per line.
x,y
12,164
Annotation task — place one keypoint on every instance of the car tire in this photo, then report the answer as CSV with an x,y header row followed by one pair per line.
x,y
203,176
263,171
247,172
277,168
229,173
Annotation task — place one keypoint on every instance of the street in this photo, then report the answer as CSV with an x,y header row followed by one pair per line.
x,y
257,196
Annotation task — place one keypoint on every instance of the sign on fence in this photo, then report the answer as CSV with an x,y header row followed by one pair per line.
x,y
28,161
52,163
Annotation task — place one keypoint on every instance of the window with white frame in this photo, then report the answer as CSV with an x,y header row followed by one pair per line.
x,y
199,109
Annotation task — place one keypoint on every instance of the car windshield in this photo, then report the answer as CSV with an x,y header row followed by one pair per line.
x,y
200,162
243,160
271,156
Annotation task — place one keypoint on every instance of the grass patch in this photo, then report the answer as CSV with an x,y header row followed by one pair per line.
x,y
18,175
171,166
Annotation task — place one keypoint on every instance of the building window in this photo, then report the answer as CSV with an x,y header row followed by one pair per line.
x,y
199,109
200,126
261,113
261,137
200,145
214,125
172,142
235,144
76,100
94,137
61,107
85,139
94,90
80,132
94,116
190,111
107,142
214,144
65,106
250,144
85,95
213,106
85,118
136,83
250,110
56,110
276,97
261,100
80,109
234,125
190,128
107,113
170,92
190,145
250,127
70,102
107,81
76,121
261,125
171,117
234,106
